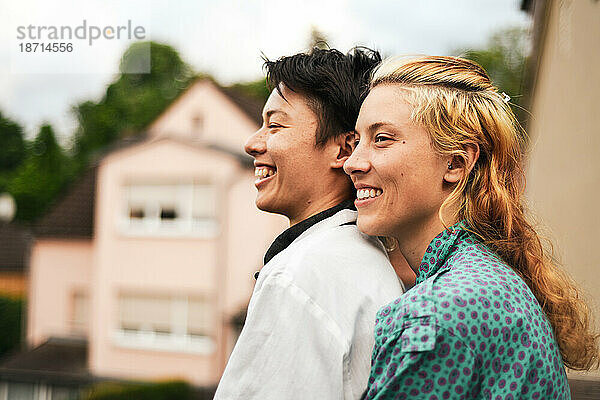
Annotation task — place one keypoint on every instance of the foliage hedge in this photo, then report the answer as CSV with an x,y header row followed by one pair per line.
x,y
11,314
171,390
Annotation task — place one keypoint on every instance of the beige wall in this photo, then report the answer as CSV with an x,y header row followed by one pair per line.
x,y
193,266
58,269
564,166
250,232
218,268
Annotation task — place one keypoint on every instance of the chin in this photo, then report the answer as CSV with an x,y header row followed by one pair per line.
x,y
373,226
365,225
264,205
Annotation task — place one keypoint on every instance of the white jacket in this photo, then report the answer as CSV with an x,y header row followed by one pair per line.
x,y
309,329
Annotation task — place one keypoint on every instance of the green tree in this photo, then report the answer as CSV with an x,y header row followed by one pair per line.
x,y
41,177
504,58
255,89
132,101
12,151
317,39
11,314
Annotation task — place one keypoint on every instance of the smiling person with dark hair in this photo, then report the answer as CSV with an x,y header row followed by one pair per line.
x,y
309,329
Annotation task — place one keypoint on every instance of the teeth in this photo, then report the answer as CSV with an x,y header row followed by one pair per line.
x,y
366,193
263,172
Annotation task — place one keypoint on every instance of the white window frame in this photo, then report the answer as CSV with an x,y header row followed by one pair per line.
x,y
79,328
179,340
185,225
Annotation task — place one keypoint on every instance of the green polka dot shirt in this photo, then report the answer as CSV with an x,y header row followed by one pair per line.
x,y
469,329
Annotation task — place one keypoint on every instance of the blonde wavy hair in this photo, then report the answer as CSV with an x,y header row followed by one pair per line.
x,y
456,102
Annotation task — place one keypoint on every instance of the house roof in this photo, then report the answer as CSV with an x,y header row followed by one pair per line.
x,y
72,216
251,106
42,363
142,138
14,245
243,158
64,362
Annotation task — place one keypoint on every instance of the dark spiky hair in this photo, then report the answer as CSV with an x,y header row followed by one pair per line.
x,y
333,83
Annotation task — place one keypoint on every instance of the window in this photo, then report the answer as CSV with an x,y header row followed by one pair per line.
x,y
184,209
136,212
80,312
162,322
167,213
197,126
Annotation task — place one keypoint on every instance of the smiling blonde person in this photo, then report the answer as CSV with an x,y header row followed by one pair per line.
x,y
490,315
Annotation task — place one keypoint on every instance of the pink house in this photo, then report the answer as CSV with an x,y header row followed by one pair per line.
x,y
151,254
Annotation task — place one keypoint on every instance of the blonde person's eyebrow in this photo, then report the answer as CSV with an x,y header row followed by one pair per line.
x,y
374,126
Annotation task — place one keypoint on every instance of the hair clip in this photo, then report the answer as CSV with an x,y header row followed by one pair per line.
x,y
505,97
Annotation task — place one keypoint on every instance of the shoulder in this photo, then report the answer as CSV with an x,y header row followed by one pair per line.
x,y
476,291
338,263
337,248
346,256
474,270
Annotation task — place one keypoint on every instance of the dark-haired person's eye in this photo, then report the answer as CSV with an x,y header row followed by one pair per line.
x,y
274,125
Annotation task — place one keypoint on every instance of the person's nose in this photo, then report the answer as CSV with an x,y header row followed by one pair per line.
x,y
256,143
358,162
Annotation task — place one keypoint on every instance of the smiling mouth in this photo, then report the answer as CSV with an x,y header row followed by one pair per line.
x,y
368,193
263,173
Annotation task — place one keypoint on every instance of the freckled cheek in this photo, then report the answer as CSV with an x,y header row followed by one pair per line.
x,y
393,204
284,148
277,152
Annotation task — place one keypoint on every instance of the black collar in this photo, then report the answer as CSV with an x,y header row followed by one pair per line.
x,y
290,234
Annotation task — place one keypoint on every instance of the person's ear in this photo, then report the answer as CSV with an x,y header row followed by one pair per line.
x,y
461,165
342,147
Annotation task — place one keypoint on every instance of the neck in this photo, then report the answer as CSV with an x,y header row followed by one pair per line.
x,y
402,269
330,190
414,239
314,207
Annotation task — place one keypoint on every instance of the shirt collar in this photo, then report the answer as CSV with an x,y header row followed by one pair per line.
x,y
293,232
439,250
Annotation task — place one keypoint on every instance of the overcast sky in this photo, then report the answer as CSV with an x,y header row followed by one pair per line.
x,y
223,38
